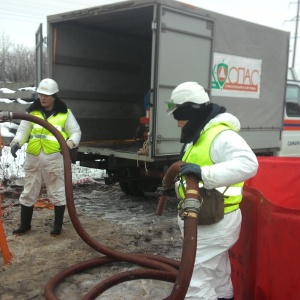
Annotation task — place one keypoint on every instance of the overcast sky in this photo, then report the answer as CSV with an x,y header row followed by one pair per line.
x,y
19,19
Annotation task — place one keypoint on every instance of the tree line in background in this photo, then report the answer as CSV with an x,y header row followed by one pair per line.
x,y
17,62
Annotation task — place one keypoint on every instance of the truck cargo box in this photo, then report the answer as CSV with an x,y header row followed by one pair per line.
x,y
116,66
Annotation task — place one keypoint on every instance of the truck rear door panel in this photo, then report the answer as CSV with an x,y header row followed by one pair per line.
x,y
183,53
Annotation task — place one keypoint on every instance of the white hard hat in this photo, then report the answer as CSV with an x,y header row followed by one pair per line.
x,y
187,92
47,87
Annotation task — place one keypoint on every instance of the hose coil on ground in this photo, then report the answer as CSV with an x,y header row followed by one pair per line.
x,y
159,267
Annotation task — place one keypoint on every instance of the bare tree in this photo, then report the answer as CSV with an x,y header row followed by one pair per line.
x,y
5,52
22,66
17,62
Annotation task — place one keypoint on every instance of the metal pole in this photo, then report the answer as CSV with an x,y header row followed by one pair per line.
x,y
296,34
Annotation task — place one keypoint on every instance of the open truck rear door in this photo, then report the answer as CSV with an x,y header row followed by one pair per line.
x,y
179,34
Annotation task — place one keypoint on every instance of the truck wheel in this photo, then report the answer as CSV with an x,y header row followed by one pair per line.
x,y
138,188
124,187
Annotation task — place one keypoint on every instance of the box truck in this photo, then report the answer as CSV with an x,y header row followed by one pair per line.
x,y
117,64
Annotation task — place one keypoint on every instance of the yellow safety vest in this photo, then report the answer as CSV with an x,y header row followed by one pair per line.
x,y
199,154
41,138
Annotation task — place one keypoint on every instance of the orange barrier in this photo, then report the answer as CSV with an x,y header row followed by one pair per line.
x,y
41,203
7,256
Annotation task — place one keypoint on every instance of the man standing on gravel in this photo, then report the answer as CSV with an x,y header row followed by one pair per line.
x,y
221,160
44,161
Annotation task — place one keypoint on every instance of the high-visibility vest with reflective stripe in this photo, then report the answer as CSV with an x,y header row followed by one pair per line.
x,y
199,154
41,138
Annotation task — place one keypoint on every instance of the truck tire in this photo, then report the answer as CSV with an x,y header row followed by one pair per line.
x,y
124,187
139,187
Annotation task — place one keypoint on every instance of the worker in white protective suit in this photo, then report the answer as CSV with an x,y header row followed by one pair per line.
x,y
221,160
44,160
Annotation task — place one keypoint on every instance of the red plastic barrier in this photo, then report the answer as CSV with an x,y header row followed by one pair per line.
x,y
266,259
278,179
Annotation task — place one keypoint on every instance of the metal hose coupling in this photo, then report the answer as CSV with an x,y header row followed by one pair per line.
x,y
5,116
191,207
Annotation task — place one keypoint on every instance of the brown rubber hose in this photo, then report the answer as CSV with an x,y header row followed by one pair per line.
x,y
190,233
168,180
161,268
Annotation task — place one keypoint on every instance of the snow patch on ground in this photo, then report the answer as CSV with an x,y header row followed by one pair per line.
x,y
12,169
7,91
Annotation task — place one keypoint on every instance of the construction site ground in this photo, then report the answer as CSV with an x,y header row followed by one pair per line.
x,y
120,222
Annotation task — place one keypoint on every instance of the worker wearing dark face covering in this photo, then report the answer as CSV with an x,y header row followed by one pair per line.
x,y
221,160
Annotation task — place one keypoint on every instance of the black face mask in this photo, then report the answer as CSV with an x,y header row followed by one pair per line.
x,y
188,112
197,119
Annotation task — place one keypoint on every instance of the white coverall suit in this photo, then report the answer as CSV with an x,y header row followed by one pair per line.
x,y
43,168
234,162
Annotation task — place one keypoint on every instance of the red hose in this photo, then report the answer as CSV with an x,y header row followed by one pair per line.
x,y
161,268
190,233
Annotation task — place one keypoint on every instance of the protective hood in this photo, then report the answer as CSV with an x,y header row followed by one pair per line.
x,y
224,118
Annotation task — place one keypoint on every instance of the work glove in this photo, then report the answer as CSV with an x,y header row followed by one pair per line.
x,y
191,169
168,190
14,148
70,144
72,150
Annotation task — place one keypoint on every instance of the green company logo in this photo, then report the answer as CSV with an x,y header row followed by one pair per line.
x,y
219,75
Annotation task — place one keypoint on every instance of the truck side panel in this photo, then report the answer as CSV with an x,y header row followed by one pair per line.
x,y
262,117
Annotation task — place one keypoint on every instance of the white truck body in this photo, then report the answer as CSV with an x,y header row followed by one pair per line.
x,y
108,59
290,139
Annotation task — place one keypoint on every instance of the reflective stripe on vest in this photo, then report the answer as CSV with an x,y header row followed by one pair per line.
x,y
229,191
41,138
199,154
